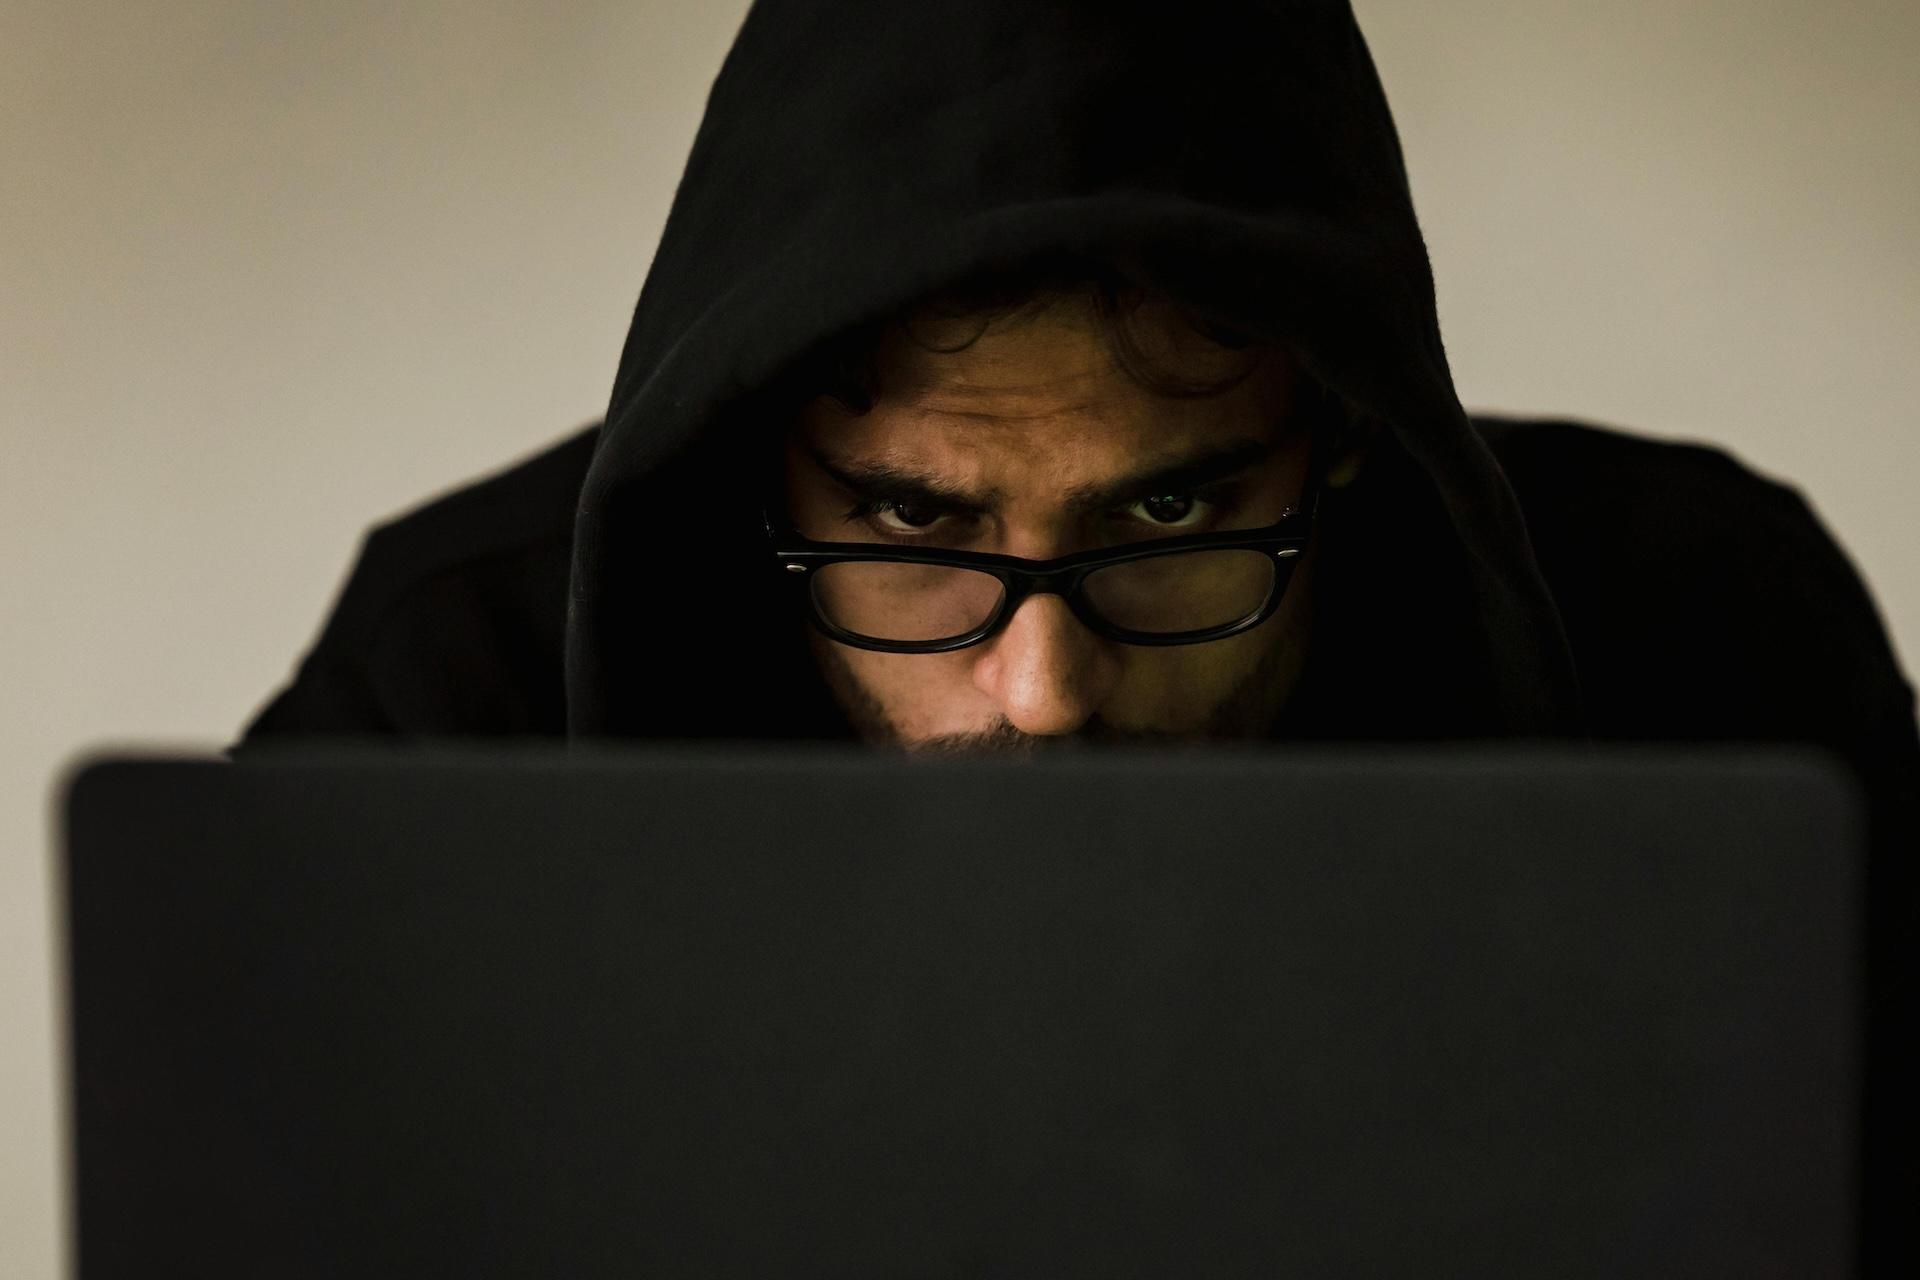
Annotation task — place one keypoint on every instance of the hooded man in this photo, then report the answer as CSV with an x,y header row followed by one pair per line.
x,y
1016,373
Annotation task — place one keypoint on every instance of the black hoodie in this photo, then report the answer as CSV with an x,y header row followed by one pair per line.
x,y
1480,578
857,155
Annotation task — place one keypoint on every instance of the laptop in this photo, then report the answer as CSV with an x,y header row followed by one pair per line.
x,y
700,1012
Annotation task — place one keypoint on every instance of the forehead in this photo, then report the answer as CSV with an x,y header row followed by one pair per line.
x,y
1047,399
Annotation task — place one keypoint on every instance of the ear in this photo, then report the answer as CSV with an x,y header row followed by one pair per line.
x,y
1344,429
1347,451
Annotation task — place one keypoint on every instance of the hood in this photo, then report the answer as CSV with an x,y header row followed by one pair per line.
x,y
858,154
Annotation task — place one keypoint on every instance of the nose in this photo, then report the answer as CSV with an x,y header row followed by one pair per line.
x,y
1048,673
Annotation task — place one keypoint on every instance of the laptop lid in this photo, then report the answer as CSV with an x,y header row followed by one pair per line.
x,y
700,1013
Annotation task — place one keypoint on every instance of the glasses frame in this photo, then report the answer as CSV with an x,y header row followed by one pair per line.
x,y
1284,541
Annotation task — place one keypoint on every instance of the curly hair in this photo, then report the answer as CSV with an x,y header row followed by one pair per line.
x,y
847,368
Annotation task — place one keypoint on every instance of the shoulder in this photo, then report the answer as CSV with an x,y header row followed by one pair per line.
x,y
1698,595
452,619
1582,465
1619,503
467,534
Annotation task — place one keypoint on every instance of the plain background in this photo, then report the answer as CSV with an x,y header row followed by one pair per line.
x,y
273,271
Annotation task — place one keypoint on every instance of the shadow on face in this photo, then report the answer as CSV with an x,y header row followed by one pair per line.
x,y
1032,437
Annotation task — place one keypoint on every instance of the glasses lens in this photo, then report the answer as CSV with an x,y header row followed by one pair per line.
x,y
1185,591
904,603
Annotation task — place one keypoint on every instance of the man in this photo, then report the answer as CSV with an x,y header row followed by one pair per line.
x,y
968,266
1004,293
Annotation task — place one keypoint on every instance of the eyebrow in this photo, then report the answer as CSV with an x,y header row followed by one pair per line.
x,y
1182,475
876,480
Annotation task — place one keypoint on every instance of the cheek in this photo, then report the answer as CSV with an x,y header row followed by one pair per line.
x,y
1179,688
919,695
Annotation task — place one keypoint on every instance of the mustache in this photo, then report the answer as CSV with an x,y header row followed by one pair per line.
x,y
1005,741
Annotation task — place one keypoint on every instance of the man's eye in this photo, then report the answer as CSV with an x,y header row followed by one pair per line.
x,y
893,517
904,515
1171,511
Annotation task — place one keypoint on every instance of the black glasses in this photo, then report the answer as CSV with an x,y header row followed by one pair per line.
x,y
1167,591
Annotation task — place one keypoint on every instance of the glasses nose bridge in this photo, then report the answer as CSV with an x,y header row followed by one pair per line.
x,y
1022,584
1044,582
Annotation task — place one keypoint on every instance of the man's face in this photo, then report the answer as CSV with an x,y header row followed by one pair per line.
x,y
1012,433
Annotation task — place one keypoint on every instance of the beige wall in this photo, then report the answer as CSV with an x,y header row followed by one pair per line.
x,y
273,270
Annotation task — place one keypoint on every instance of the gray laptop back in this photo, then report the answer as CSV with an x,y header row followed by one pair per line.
x,y
761,1014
